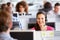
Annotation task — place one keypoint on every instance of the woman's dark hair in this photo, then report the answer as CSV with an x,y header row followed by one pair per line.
x,y
23,3
37,26
40,13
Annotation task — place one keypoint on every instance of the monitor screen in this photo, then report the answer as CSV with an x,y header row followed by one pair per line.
x,y
15,14
25,35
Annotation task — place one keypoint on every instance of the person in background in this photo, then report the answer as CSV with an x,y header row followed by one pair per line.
x,y
56,10
47,7
54,14
5,26
3,7
22,8
9,7
41,23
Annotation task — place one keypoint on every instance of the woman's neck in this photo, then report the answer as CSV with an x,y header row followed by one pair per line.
x,y
43,28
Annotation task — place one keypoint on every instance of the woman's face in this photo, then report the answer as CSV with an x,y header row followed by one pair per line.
x,y
21,8
41,19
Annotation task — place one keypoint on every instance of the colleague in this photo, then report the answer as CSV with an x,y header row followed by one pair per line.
x,y
46,7
9,7
41,23
56,10
3,7
22,8
54,14
5,26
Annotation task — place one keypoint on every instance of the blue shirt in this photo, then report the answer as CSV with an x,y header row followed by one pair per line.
x,y
5,36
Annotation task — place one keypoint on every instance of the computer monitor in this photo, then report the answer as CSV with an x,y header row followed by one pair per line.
x,y
22,35
15,25
15,14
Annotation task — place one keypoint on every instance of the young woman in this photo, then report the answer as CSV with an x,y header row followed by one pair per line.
x,y
22,7
41,23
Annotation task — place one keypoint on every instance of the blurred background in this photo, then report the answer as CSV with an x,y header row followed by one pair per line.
x,y
33,8
25,22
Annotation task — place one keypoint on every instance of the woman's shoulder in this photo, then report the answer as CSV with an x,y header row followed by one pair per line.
x,y
50,28
33,28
